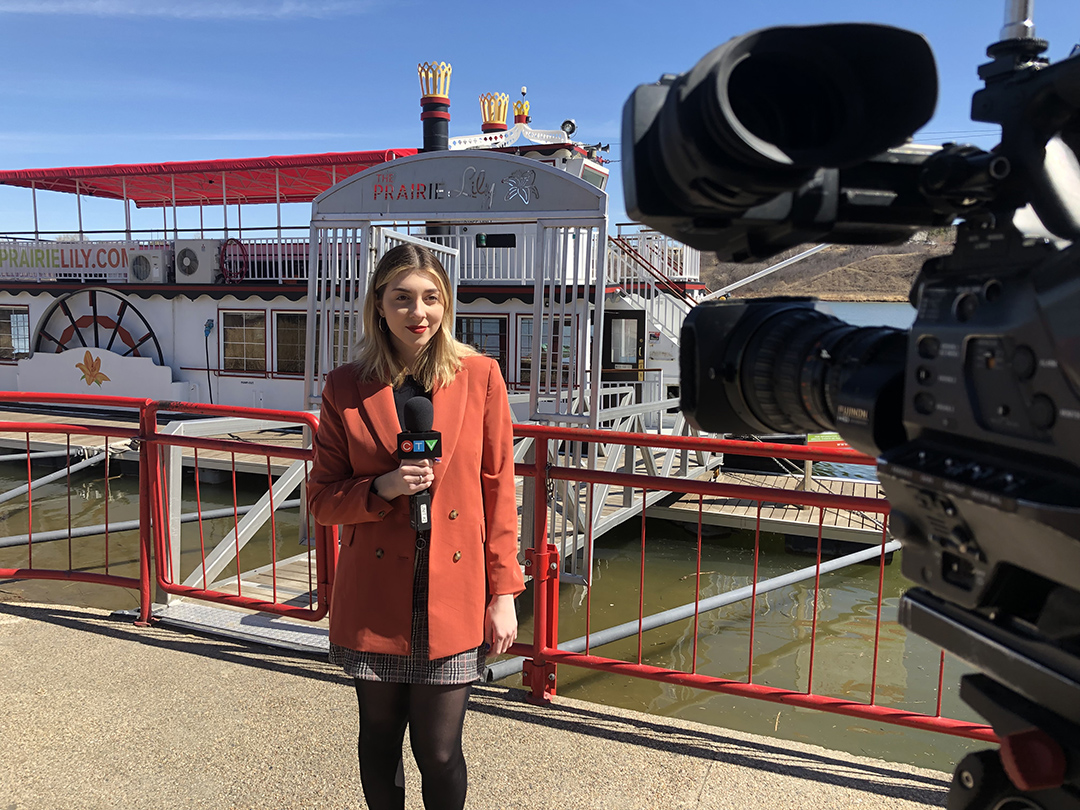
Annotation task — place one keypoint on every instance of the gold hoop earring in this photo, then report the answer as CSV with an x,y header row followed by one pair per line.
x,y
382,324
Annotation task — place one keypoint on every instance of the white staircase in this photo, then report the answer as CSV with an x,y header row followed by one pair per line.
x,y
646,268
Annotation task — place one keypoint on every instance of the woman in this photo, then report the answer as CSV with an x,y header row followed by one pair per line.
x,y
413,613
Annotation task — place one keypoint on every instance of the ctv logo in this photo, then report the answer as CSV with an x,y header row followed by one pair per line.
x,y
418,446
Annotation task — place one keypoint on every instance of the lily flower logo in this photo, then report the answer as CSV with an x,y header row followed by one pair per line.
x,y
91,370
522,184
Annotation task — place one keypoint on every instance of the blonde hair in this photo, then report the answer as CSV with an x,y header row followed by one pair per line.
x,y
440,359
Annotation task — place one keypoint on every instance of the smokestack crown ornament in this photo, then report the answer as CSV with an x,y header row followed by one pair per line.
x,y
493,109
521,112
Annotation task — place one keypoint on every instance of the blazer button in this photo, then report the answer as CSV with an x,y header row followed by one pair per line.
x,y
457,556
379,553
453,514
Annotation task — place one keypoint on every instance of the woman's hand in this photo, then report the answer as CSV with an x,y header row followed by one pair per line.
x,y
410,477
500,623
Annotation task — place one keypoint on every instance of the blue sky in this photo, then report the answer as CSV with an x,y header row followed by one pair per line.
x,y
91,82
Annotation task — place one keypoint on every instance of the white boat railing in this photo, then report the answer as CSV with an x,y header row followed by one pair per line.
x,y
270,259
673,259
491,265
281,255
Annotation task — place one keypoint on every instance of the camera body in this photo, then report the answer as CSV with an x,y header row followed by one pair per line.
x,y
992,419
792,135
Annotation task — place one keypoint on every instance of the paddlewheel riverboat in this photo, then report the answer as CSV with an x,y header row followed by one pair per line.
x,y
226,297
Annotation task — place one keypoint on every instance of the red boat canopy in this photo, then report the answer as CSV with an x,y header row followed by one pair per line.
x,y
288,178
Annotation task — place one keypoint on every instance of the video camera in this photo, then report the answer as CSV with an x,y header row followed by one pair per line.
x,y
798,134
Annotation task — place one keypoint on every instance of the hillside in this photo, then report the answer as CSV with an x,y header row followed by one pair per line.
x,y
837,273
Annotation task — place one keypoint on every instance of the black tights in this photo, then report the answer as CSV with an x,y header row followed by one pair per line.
x,y
435,716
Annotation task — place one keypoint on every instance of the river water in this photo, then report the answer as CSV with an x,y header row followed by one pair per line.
x,y
899,315
907,666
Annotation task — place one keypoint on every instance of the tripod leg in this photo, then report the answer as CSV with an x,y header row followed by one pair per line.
x,y
980,783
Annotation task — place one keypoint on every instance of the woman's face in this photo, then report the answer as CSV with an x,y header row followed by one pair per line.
x,y
413,308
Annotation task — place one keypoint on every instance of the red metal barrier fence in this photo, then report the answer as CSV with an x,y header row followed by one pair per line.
x,y
317,567
544,653
158,546
87,436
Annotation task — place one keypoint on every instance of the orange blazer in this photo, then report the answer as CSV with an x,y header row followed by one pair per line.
x,y
474,533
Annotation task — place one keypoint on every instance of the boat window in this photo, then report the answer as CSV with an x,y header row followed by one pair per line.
x,y
485,334
289,341
590,175
244,341
625,341
14,333
555,353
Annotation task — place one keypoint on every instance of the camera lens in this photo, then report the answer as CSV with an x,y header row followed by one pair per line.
x,y
781,366
794,365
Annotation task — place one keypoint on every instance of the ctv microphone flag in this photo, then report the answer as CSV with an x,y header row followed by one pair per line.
x,y
419,441
419,445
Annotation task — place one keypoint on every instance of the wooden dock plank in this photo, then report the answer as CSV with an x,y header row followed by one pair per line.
x,y
777,517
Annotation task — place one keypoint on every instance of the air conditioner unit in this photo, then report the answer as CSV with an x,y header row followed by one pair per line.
x,y
149,265
197,260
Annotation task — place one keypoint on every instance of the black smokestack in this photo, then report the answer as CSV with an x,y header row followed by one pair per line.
x,y
435,105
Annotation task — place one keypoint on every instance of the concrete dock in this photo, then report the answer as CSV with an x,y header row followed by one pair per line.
x,y
98,713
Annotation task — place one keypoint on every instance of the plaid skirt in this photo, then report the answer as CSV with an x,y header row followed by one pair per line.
x,y
465,667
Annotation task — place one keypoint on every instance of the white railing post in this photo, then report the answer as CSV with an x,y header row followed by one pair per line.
x,y
277,199
174,471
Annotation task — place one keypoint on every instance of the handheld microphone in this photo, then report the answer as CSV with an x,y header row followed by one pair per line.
x,y
419,441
